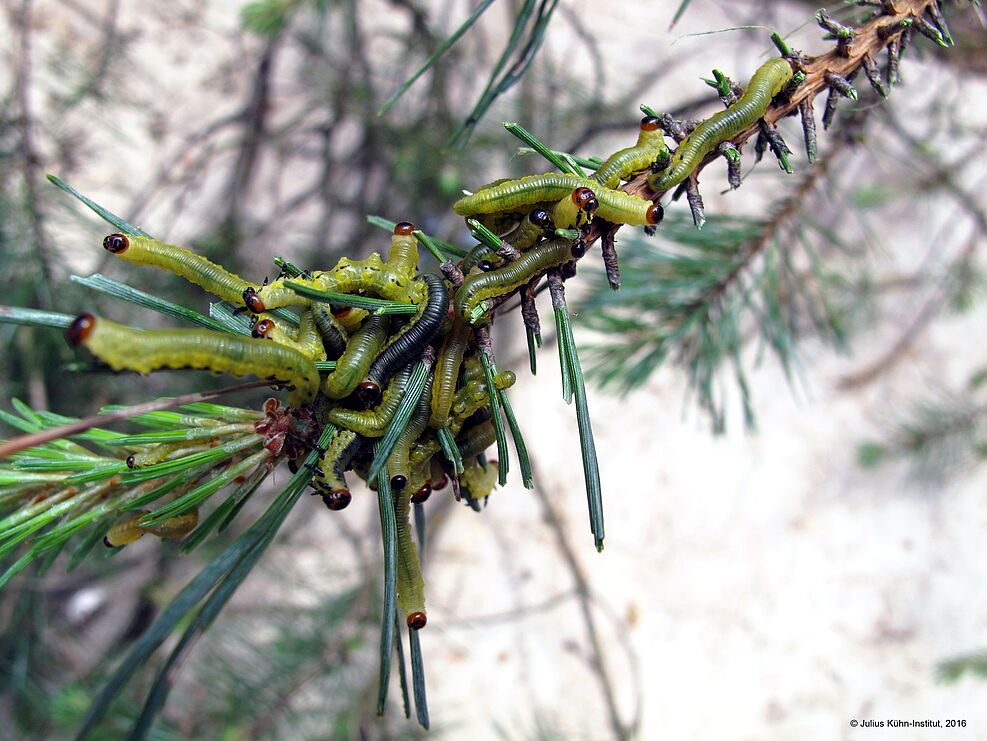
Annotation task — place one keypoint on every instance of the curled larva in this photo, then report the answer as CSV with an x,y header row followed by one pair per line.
x,y
649,147
374,422
145,350
354,363
330,480
409,343
767,82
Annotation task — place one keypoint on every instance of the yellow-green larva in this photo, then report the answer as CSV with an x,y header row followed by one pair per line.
x,y
615,205
191,266
447,363
145,350
330,481
374,422
403,255
371,276
767,82
354,363
649,147
476,289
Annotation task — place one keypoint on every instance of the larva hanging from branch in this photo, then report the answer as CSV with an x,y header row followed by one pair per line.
x,y
769,80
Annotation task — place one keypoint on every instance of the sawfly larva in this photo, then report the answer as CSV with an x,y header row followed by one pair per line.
x,y
145,350
767,82
189,265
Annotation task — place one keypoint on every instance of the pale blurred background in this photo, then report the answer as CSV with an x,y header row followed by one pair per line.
x,y
755,584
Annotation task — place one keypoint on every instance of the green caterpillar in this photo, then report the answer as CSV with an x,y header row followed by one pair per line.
x,y
650,147
615,205
145,350
769,79
191,266
471,298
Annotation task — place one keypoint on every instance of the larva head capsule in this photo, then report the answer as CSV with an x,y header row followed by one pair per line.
x,y
655,214
650,123
116,243
398,482
369,393
585,200
262,328
422,495
337,499
252,301
80,329
486,266
404,228
417,620
578,248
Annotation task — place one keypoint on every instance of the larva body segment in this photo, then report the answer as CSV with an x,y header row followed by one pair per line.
x,y
398,462
371,276
767,82
447,364
476,289
354,363
330,481
128,529
334,336
648,148
475,483
374,422
409,343
145,350
175,527
615,205
191,266
410,584
476,439
537,224
403,255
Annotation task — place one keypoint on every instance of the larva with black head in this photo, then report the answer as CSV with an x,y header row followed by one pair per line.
x,y
769,80
537,224
330,481
398,462
477,289
189,265
374,422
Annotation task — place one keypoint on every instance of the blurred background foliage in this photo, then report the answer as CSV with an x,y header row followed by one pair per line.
x,y
250,130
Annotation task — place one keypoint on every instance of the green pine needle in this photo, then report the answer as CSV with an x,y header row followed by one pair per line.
x,y
434,56
376,305
489,370
103,213
120,290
